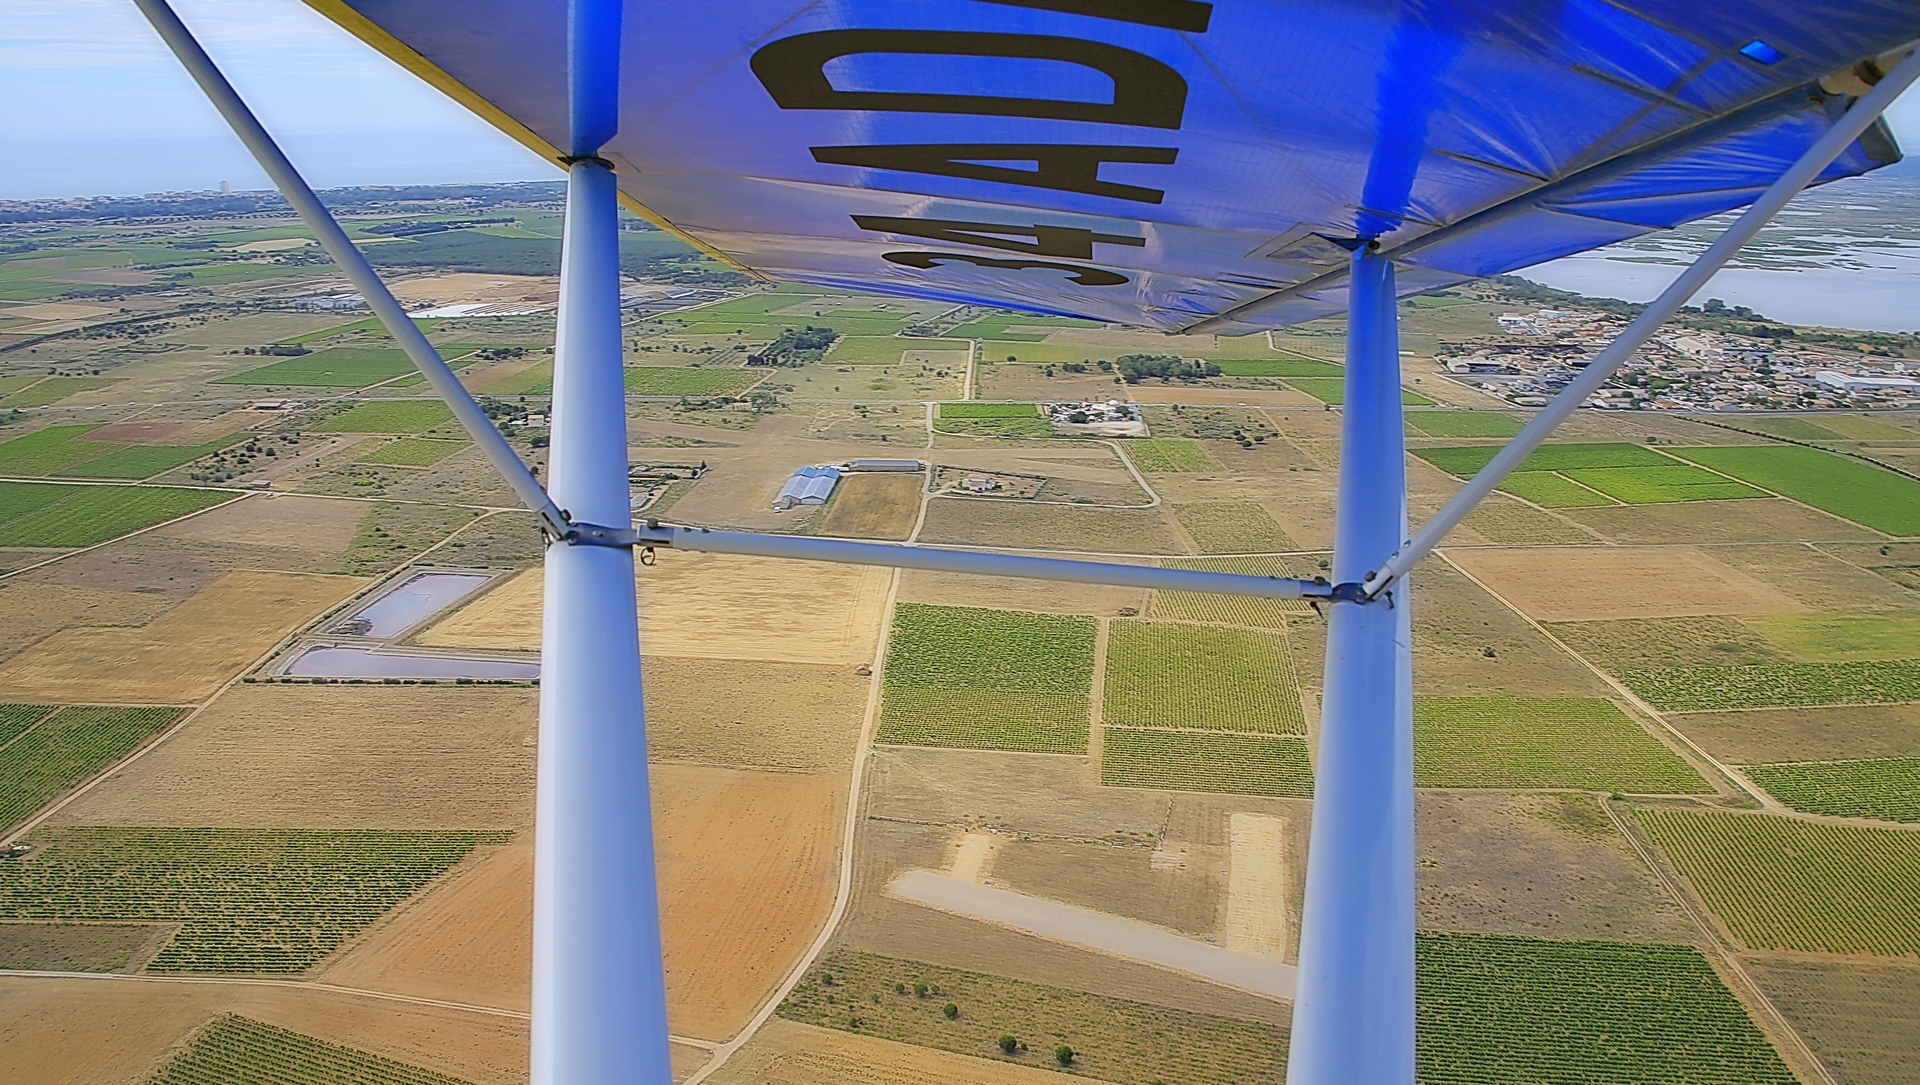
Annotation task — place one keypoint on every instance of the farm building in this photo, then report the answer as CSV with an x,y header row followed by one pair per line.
x,y
808,486
884,465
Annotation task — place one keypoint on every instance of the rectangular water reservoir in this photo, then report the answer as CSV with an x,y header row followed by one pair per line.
x,y
330,661
409,603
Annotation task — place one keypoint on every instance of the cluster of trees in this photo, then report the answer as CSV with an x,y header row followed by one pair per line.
x,y
796,347
1135,368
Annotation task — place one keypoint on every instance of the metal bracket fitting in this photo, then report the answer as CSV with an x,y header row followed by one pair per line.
x,y
579,534
1350,592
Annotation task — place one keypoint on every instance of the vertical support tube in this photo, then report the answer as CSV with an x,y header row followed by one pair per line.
x,y
599,991
1353,1021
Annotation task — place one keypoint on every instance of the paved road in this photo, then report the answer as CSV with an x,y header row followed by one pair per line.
x,y
1108,934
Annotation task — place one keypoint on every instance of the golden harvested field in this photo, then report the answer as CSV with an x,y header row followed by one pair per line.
x,y
37,610
874,506
737,712
335,757
788,1053
468,938
707,606
1595,584
82,1032
748,863
183,655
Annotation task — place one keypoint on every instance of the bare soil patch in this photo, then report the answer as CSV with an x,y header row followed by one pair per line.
x,y
80,1030
285,522
80,947
456,287
1180,894
1629,644
1547,866
874,506
1455,624
788,1053
1257,920
1028,381
1008,593
1862,1020
140,433
896,928
183,655
707,606
737,712
1806,734
1594,584
1768,519
1049,527
1505,521
334,757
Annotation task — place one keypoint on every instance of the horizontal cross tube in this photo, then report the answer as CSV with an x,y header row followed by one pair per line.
x,y
977,562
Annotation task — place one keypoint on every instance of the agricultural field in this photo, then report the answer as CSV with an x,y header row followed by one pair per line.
x,y
1656,485
1279,367
1839,637
1201,677
413,452
49,390
235,1050
1333,391
994,420
988,410
335,367
1862,1018
883,349
85,515
990,679
1247,610
47,751
536,379
1572,742
1551,490
270,901
654,380
388,416
64,451
1466,460
1240,764
1840,485
1170,455
1498,1008
1710,689
1887,788
1798,886
1239,527
1128,1043
1464,423
1023,426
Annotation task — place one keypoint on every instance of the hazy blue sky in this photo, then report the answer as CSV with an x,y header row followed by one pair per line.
x,y
96,106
